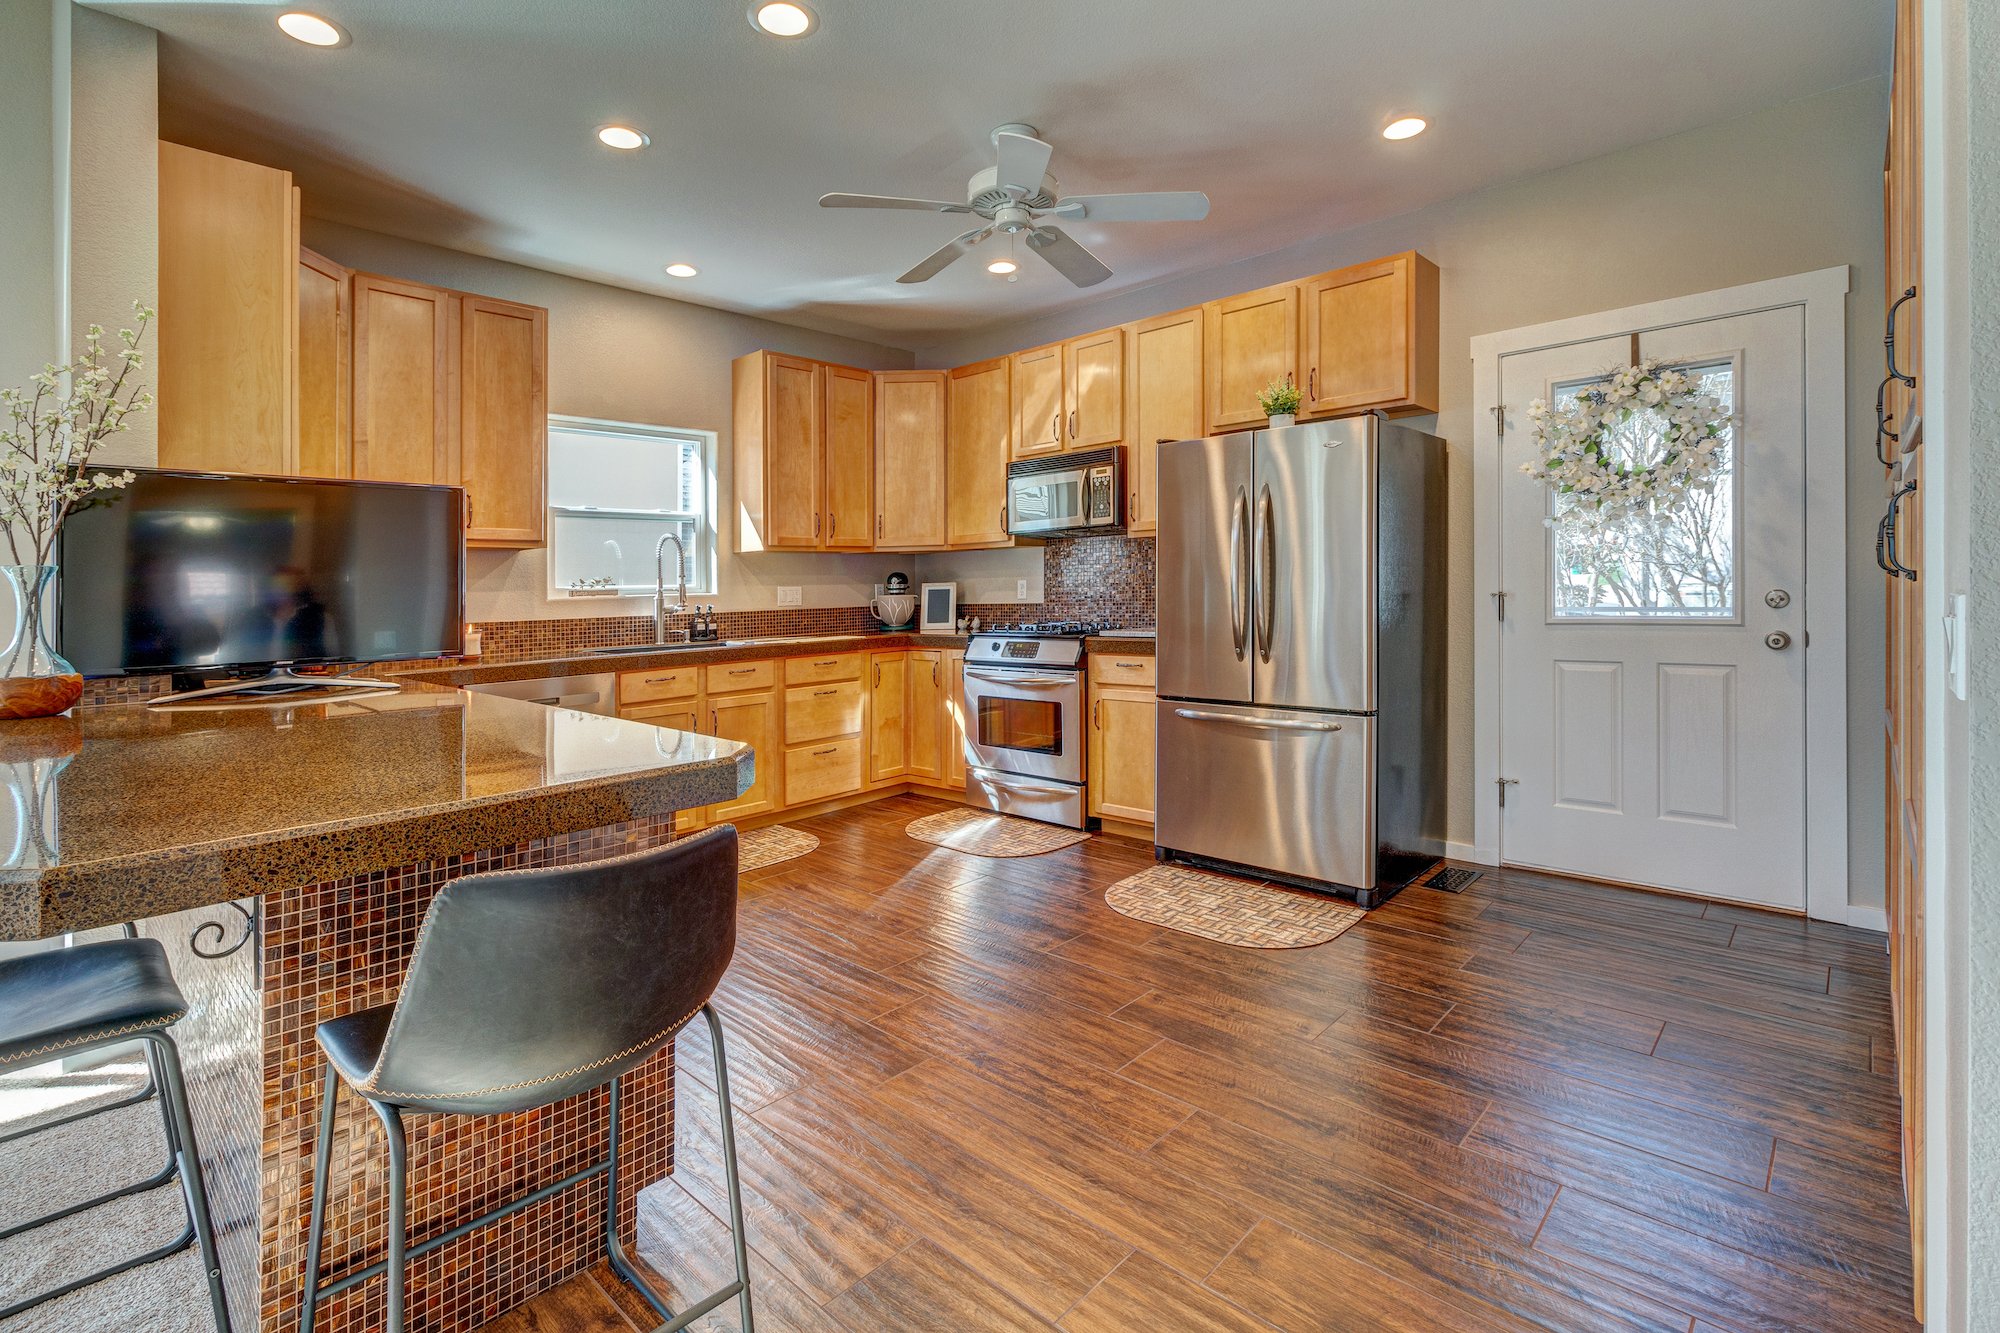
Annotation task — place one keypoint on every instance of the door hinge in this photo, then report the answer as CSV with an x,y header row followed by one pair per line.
x,y
1499,421
1503,784
1499,605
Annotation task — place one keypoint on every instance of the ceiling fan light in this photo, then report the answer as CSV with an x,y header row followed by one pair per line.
x,y
783,18
1405,127
622,137
681,270
1002,266
311,29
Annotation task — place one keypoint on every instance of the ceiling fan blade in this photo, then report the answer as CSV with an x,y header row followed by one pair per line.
x,y
946,255
888,201
1024,160
1159,206
1066,257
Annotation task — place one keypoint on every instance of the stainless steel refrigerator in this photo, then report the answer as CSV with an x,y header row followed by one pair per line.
x,y
1301,654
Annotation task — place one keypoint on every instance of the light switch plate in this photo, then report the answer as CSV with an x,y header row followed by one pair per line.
x,y
788,596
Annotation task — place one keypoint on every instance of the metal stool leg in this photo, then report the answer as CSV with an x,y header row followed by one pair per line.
x,y
729,1168
329,1101
399,1237
174,1090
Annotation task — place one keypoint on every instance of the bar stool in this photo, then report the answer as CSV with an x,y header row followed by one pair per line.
x,y
527,987
70,1001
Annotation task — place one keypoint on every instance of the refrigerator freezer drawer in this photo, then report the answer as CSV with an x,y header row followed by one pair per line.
x,y
1288,792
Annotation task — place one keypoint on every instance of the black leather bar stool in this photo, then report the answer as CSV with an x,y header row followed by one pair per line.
x,y
527,987
67,1002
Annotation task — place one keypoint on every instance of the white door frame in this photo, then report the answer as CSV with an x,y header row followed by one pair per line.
x,y
1823,295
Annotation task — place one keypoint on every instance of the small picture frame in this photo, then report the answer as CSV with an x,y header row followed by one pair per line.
x,y
937,609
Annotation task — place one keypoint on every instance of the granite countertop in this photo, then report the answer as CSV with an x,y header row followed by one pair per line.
x,y
643,659
126,812
1120,645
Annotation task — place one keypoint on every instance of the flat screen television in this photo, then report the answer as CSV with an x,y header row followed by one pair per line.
x,y
220,575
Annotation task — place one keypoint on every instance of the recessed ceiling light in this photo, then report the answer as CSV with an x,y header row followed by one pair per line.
x,y
1405,127
1002,266
681,270
782,18
622,137
311,29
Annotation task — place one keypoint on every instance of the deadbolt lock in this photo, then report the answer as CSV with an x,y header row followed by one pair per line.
x,y
1777,599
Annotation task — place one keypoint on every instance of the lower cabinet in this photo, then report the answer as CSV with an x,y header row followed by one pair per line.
x,y
888,716
954,708
927,715
1122,728
824,722
754,720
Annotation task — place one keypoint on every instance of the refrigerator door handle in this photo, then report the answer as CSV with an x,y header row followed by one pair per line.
x,y
1266,574
1266,723
1239,535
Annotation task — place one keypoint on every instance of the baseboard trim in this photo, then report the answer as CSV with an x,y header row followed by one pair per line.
x,y
1121,828
1465,851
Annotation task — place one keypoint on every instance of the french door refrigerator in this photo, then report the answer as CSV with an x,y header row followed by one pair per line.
x,y
1301,632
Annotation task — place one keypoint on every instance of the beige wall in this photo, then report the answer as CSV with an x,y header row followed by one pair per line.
x,y
28,202
1785,191
628,356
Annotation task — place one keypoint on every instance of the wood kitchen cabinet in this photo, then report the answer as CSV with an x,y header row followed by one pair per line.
x,y
225,362
1251,340
928,724
777,445
326,367
888,716
976,451
1369,338
405,336
754,718
1038,400
910,460
1163,396
503,437
954,713
847,417
1094,389
1122,728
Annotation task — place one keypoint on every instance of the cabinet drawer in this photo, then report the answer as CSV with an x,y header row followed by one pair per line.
x,y
676,716
638,687
833,666
817,712
820,772
1138,672
729,677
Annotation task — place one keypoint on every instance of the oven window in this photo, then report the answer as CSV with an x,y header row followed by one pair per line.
x,y
1020,724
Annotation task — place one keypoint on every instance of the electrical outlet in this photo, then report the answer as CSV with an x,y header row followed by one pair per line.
x,y
1020,590
788,596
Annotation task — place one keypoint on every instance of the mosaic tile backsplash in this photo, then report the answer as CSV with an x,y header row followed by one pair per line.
x,y
1109,579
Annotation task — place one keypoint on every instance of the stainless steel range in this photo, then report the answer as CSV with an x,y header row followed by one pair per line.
x,y
1024,721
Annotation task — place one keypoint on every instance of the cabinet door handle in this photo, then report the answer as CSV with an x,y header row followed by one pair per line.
x,y
1097,714
744,671
1055,428
878,527
1072,423
934,679
833,749
831,661
821,694
713,725
1312,384
832,525
815,527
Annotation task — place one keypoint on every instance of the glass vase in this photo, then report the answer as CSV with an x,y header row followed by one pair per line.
x,y
35,681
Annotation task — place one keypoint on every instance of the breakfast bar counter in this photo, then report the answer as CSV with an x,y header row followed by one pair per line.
x,y
285,852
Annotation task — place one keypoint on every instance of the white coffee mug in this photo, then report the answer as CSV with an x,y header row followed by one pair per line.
x,y
894,608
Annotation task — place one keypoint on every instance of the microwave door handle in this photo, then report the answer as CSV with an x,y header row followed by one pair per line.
x,y
1266,575
1239,535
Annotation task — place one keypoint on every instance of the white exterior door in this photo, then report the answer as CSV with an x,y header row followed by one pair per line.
x,y
1652,691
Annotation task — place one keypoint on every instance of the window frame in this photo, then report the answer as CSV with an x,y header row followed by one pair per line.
x,y
708,546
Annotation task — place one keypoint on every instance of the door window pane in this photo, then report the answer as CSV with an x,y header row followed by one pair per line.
x,y
1680,566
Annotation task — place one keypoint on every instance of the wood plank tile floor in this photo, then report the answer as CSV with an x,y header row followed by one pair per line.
x,y
970,1096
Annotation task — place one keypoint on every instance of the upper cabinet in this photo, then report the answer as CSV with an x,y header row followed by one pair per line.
x,y
326,367
847,414
1039,427
226,378
778,452
1163,394
403,409
1252,341
503,421
1369,338
1094,389
910,459
976,436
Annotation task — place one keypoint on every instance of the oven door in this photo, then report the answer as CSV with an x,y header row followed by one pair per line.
x,y
1026,721
1039,503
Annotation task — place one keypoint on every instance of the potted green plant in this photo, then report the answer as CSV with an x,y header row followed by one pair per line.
x,y
1280,401
50,431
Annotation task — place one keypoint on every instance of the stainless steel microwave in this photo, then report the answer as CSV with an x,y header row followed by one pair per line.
x,y
1067,494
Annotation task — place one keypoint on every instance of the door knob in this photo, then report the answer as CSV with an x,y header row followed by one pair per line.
x,y
1778,640
1777,599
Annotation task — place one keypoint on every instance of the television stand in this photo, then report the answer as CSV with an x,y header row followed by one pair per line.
x,y
278,680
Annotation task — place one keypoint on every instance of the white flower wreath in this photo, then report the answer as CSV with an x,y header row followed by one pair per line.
x,y
1608,485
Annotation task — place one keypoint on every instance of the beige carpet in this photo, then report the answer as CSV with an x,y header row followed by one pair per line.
x,y
61,1166
983,833
1241,912
767,846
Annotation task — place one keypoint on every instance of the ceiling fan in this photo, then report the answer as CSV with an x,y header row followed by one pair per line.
x,y
1018,197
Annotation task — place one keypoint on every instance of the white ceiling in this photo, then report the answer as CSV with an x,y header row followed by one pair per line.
x,y
469,123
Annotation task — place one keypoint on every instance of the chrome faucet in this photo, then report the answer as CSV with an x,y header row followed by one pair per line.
x,y
660,584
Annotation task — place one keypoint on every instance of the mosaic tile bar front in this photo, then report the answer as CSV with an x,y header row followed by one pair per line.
x,y
321,950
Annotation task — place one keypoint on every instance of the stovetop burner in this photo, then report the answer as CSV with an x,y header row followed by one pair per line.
x,y
1052,629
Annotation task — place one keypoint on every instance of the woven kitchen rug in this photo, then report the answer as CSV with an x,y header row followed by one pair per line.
x,y
760,847
1241,912
983,833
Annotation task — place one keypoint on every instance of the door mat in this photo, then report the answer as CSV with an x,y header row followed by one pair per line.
x,y
771,844
1452,879
983,833
1241,912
